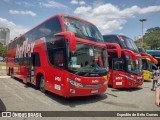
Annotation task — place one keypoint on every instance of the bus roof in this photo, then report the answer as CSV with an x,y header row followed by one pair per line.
x,y
115,34
75,18
56,15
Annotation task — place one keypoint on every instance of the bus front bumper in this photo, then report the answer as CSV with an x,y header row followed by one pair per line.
x,y
74,91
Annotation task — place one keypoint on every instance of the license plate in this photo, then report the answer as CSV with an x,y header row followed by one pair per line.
x,y
94,91
118,83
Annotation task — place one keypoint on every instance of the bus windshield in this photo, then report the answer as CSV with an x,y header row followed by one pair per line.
x,y
134,66
129,43
146,65
88,59
118,64
82,29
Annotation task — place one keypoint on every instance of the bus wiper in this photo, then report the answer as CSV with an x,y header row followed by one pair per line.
x,y
96,68
80,70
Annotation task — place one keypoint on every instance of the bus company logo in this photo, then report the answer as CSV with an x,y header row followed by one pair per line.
x,y
95,81
77,79
139,77
24,49
58,78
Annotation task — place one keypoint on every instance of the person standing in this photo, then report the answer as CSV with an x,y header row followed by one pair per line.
x,y
159,71
155,78
157,93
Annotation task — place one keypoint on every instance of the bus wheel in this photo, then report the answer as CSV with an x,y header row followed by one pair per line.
x,y
42,83
11,73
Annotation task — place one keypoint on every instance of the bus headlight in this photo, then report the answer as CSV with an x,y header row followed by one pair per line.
x,y
74,83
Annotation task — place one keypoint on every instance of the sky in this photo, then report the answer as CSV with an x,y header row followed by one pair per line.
x,y
110,16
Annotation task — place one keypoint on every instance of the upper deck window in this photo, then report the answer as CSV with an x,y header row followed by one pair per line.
x,y
82,29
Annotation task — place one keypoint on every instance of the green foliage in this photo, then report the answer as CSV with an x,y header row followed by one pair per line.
x,y
3,50
138,44
152,38
145,45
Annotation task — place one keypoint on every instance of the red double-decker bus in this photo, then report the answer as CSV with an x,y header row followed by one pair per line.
x,y
62,55
125,64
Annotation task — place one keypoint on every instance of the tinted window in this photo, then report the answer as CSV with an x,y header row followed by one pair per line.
x,y
82,29
141,49
111,38
56,57
128,43
118,64
145,64
36,59
111,56
53,42
28,36
39,31
54,46
52,26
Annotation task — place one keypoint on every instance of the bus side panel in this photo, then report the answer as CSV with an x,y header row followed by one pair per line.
x,y
110,77
43,68
118,80
55,79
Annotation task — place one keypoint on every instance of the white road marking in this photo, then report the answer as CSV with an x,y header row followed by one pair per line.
x,y
5,76
18,97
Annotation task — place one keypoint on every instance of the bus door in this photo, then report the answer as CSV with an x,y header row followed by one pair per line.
x,y
118,67
33,61
29,68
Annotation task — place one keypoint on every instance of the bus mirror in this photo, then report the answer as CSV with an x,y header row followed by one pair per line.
x,y
70,36
116,46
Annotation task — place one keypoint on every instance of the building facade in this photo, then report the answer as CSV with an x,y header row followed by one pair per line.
x,y
4,36
138,38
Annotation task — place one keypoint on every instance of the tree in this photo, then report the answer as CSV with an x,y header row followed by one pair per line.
x,y
152,38
145,45
3,50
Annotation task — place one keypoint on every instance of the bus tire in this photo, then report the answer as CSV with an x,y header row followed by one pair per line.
x,y
42,84
11,73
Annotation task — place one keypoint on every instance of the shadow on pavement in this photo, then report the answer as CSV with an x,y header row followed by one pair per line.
x,y
74,101
126,89
127,105
2,106
147,81
25,85
69,101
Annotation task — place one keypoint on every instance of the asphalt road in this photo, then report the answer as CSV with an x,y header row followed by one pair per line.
x,y
16,96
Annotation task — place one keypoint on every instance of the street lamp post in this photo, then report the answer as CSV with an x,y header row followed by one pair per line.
x,y
142,20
